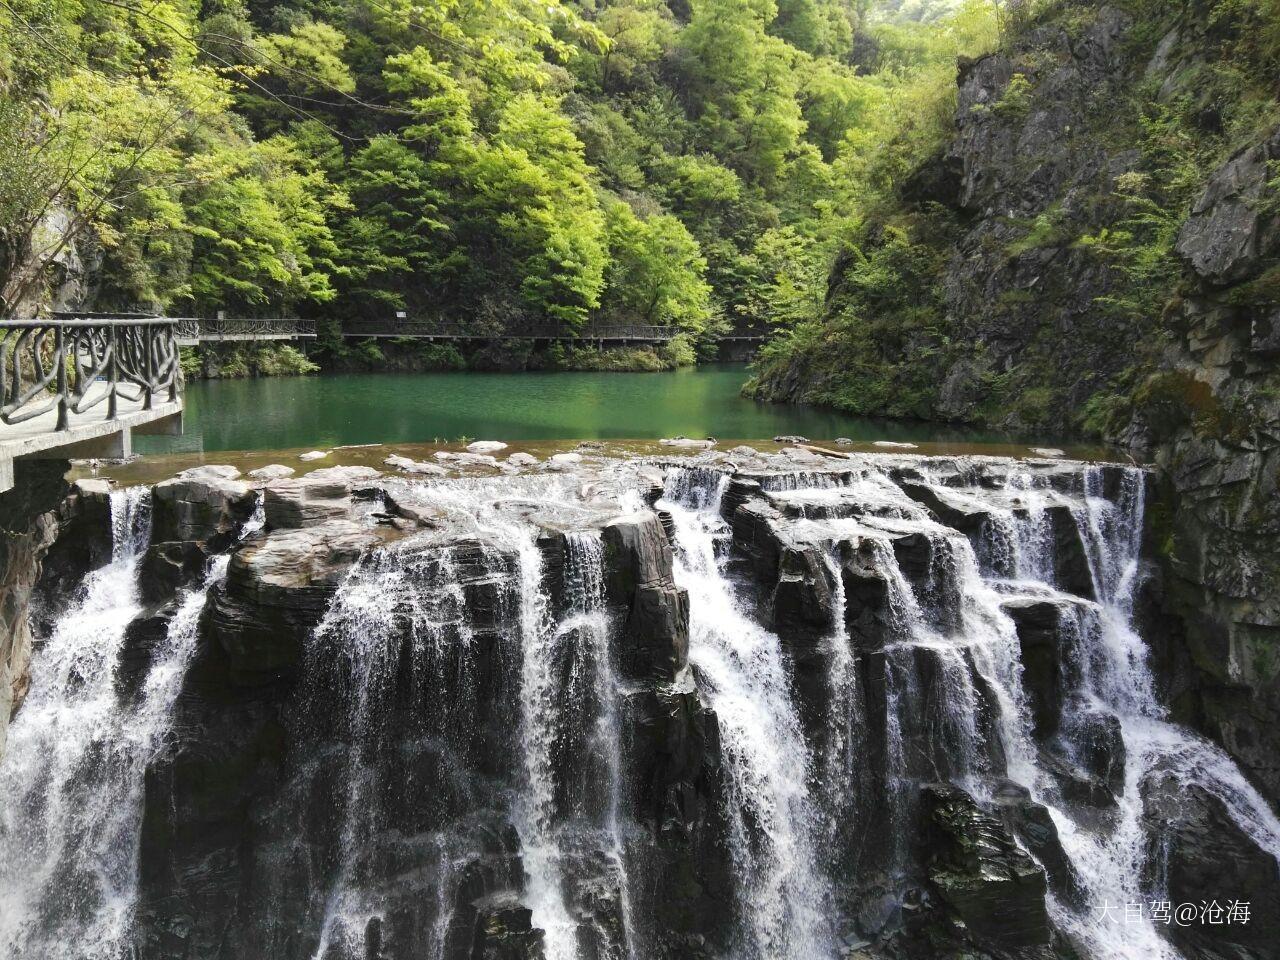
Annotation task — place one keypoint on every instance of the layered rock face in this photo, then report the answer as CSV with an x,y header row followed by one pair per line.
x,y
28,527
784,706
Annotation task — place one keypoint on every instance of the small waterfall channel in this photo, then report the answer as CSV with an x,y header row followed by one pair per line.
x,y
72,786
719,712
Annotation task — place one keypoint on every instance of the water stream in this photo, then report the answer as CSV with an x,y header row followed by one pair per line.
x,y
72,791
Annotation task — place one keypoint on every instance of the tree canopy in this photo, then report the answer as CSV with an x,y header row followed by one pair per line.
x,y
690,163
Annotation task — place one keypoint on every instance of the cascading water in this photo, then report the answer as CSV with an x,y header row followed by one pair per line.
x,y
1116,677
425,695
460,741
953,614
71,783
773,822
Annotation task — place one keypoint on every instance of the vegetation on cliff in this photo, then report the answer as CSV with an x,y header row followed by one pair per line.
x,y
1022,266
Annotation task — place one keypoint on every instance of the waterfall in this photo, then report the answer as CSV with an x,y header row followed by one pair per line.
x,y
459,740
71,783
773,822
412,669
952,614
1116,677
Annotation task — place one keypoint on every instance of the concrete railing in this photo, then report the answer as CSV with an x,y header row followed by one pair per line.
x,y
75,365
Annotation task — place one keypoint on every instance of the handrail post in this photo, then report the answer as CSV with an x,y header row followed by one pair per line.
x,y
171,343
60,358
149,366
113,374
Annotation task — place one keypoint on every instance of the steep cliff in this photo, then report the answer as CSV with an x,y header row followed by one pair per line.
x,y
28,527
1095,252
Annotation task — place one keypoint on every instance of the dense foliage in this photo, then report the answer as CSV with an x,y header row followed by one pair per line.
x,y
506,162
1050,305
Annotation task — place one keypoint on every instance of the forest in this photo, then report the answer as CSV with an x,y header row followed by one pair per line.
x,y
496,162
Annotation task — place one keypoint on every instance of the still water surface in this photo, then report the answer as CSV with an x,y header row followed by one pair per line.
x,y
333,409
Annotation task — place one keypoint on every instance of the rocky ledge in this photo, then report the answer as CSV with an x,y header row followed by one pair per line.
x,y
351,751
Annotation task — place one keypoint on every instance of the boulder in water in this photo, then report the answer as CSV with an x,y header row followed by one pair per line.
x,y
563,461
313,455
486,446
274,471
406,465
475,460
521,459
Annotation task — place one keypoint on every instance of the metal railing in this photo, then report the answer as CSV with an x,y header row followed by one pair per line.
x,y
193,329
54,364
458,331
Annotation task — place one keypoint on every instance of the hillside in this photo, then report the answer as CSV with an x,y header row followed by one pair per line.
x,y
498,163
1093,250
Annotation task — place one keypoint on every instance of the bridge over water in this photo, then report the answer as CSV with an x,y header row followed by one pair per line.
x,y
194,330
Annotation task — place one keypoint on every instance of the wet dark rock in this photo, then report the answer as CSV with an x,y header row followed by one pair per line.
x,y
981,873
505,931
756,538
740,490
204,503
1095,740
803,601
1070,561
955,512
866,600
595,899
82,544
1046,657
1199,853
1033,826
169,567
676,788
640,579
1078,786
914,553
276,591
29,526
144,635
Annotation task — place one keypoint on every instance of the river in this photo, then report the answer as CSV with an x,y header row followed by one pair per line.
x,y
341,409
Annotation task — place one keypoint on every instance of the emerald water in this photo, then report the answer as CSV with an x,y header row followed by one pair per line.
x,y
337,409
